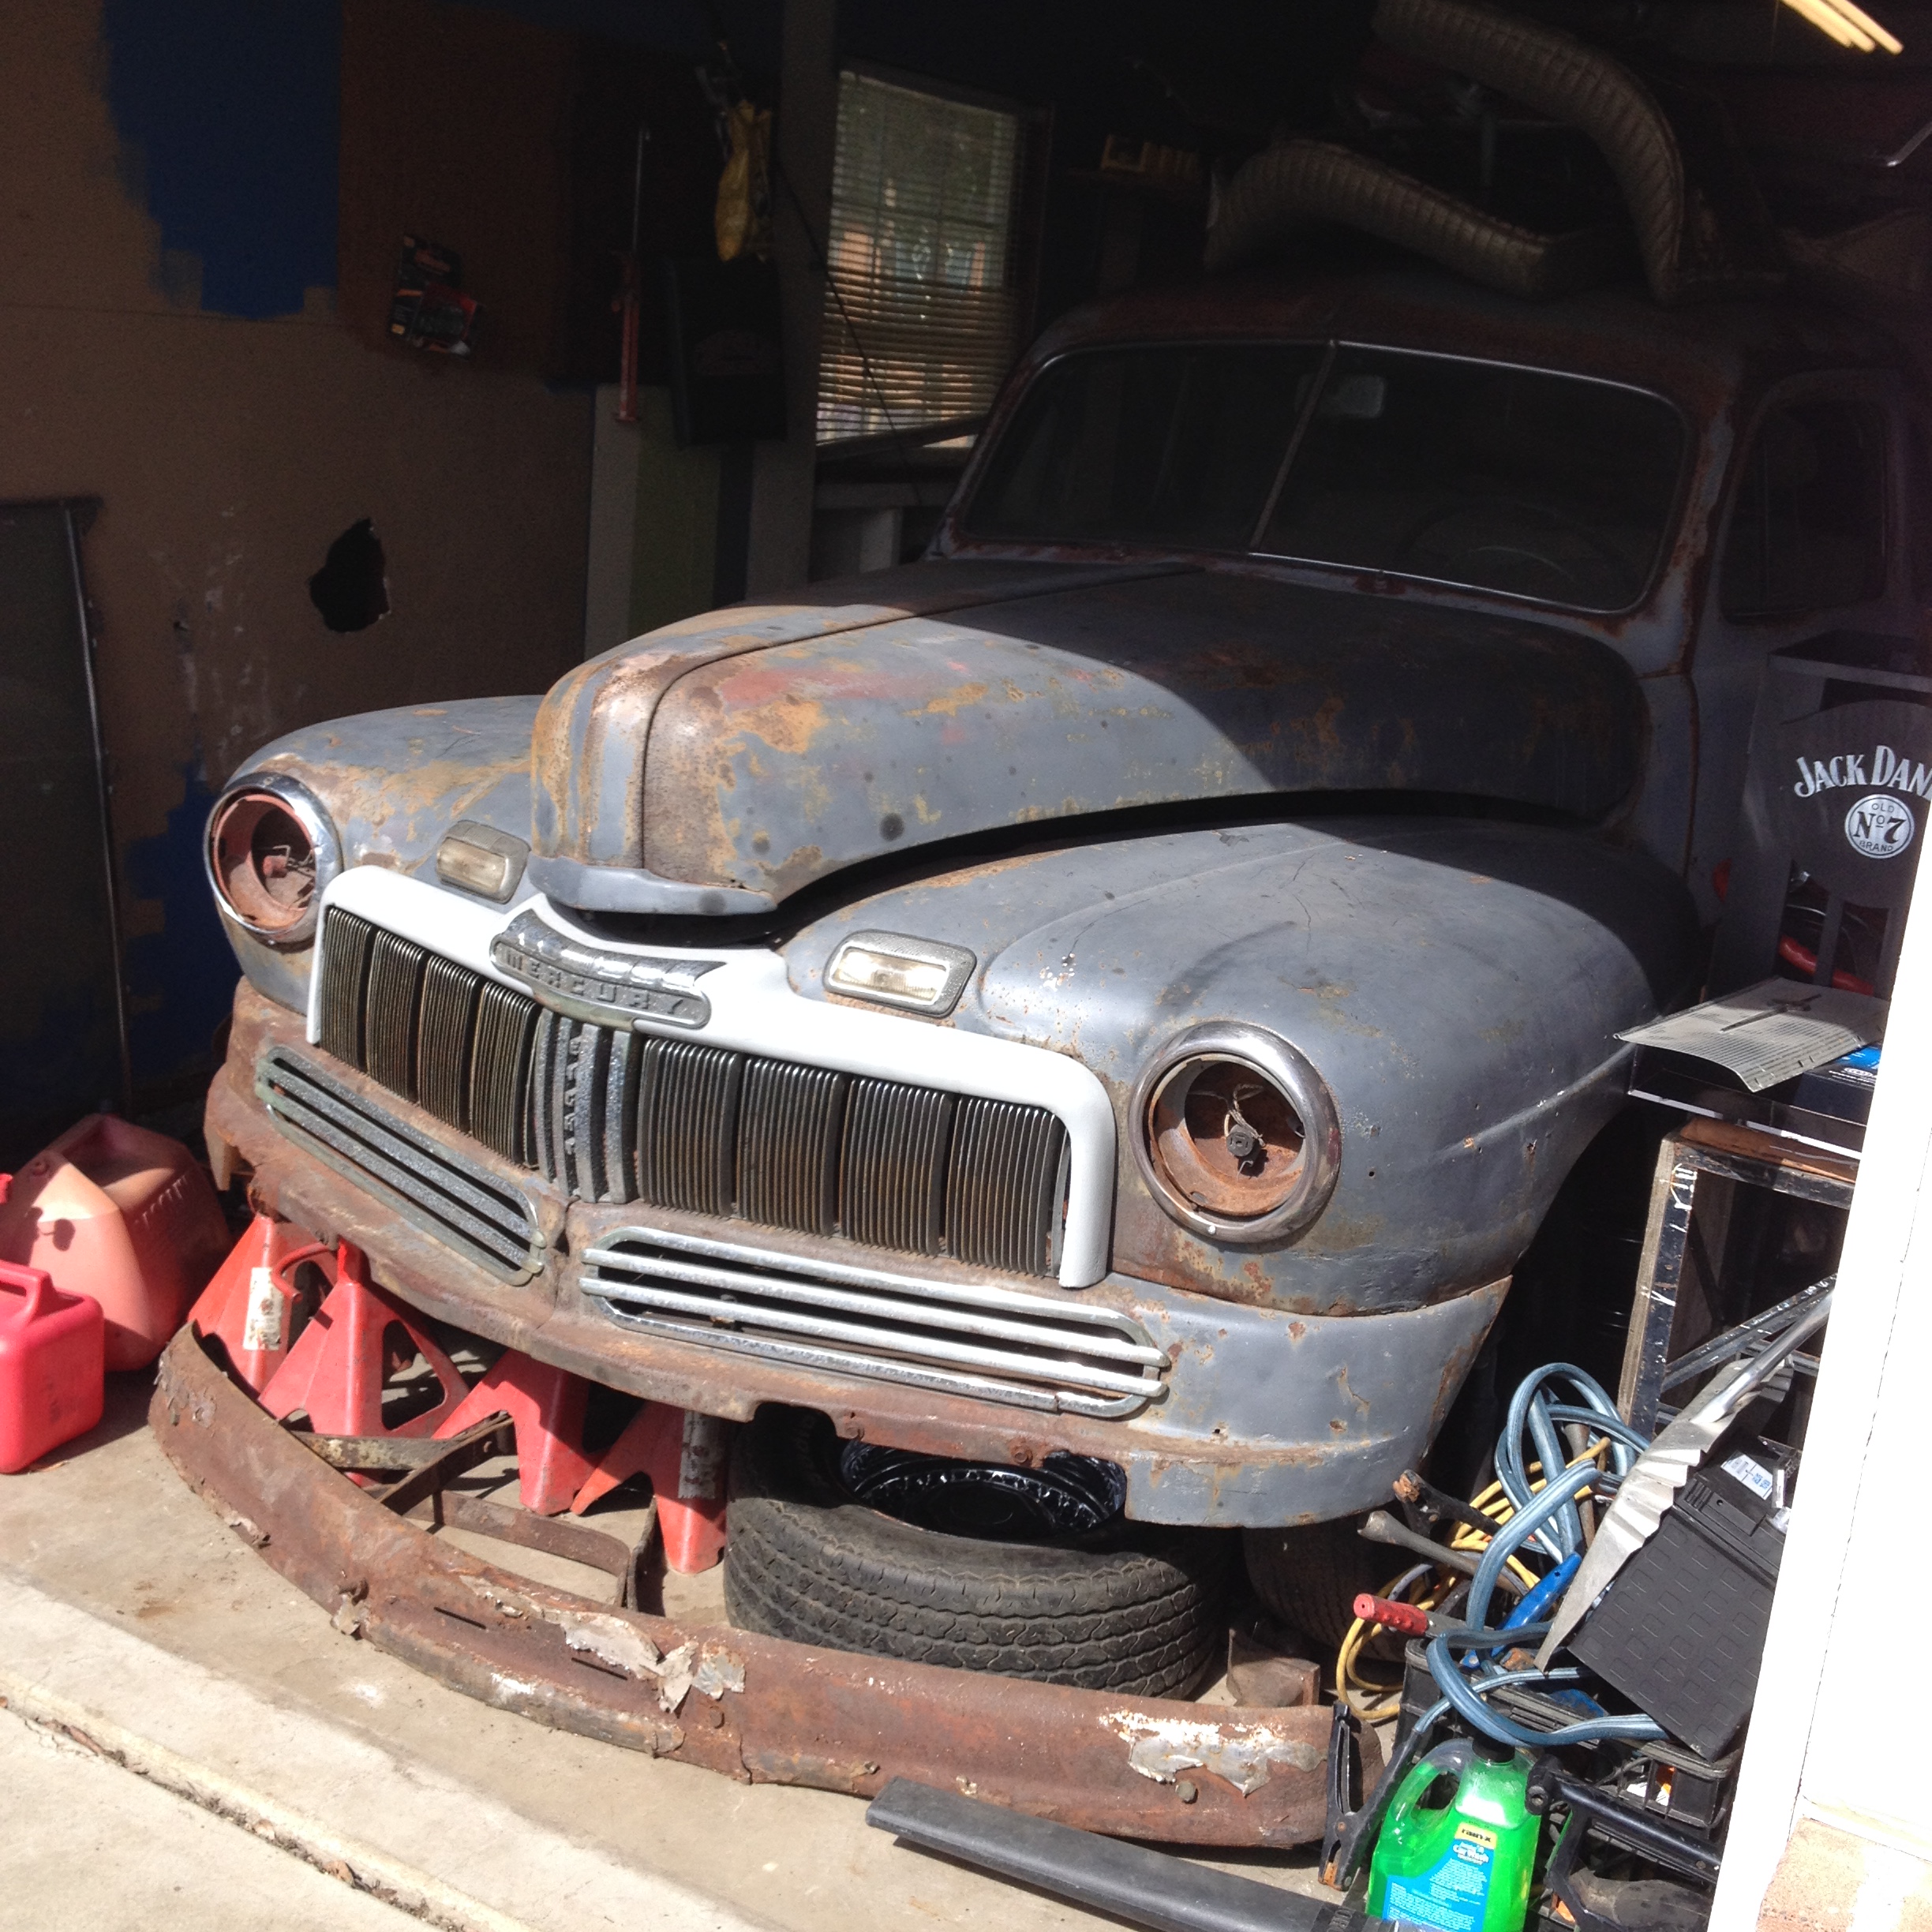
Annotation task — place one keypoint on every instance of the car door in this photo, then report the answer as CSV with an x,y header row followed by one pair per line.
x,y
1813,539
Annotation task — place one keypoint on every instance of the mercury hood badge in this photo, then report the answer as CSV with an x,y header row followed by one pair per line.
x,y
592,982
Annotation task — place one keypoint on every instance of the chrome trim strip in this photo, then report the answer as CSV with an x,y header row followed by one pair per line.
x,y
722,1308
1042,1351
837,1362
933,1315
978,1294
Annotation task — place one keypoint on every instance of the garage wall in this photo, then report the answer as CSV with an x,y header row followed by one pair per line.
x,y
164,202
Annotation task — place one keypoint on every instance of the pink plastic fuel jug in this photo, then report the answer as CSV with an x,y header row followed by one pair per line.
x,y
127,1216
51,1386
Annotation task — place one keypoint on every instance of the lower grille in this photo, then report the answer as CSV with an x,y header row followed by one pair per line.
x,y
970,1339
459,1201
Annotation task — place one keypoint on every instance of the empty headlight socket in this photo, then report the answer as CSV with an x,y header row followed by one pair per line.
x,y
270,852
1236,1134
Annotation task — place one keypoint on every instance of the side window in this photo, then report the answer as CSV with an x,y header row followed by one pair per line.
x,y
1808,530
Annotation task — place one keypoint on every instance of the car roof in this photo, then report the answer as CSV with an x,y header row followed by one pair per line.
x,y
1700,355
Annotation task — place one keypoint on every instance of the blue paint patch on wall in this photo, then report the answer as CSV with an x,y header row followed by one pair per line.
x,y
230,112
180,980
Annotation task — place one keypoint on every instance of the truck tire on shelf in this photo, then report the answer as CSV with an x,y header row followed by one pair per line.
x,y
1128,1607
1309,1577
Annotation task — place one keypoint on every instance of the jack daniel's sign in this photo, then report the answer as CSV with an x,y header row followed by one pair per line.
x,y
1857,786
1879,826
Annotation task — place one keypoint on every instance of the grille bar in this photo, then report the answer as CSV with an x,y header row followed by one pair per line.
x,y
587,1107
500,1071
396,981
790,1123
346,944
457,1200
1007,1182
997,1344
449,1002
688,1125
893,1192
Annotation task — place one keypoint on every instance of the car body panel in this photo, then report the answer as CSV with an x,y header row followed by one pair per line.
x,y
779,767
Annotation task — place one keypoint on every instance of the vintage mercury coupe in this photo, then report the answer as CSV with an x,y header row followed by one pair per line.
x,y
1108,1005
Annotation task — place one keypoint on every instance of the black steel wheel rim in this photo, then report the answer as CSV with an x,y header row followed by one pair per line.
x,y
1066,1496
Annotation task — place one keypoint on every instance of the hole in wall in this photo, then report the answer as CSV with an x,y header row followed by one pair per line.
x,y
350,589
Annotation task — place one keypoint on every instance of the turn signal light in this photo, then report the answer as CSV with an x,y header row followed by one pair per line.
x,y
898,971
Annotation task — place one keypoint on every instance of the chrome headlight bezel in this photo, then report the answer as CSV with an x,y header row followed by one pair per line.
x,y
1287,1068
306,809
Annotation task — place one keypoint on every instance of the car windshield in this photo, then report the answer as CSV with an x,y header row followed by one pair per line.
x,y
1553,488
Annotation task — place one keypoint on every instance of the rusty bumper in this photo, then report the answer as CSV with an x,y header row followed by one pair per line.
x,y
755,1708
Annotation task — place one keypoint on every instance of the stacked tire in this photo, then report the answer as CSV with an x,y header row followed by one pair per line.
x,y
1129,1607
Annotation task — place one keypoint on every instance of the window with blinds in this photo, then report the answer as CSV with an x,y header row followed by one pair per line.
x,y
922,311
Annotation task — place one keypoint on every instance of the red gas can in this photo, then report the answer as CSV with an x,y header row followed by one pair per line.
x,y
52,1366
127,1216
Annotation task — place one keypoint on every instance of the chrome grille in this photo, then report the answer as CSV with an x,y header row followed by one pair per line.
x,y
430,1030
790,1125
893,1193
389,1016
611,1115
445,1027
688,1125
997,1212
977,1338
457,1200
499,1068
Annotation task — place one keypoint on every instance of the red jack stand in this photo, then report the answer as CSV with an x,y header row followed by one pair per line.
x,y
336,1371
684,1455
250,1304
547,1405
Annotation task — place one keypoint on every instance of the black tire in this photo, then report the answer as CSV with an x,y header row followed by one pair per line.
x,y
1130,1608
1309,1578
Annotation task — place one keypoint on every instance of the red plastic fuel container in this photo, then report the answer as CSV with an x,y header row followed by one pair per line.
x,y
128,1217
52,1366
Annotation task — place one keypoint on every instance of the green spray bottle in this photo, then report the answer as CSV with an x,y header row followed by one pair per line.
x,y
1457,1848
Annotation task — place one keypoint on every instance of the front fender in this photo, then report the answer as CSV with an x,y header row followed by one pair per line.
x,y
392,783
1458,983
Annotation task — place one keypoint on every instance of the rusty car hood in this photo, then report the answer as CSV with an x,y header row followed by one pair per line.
x,y
761,750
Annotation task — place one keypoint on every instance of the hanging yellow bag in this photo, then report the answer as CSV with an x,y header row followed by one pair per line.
x,y
743,219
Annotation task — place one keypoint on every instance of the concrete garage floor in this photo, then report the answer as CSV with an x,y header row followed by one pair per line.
x,y
200,1747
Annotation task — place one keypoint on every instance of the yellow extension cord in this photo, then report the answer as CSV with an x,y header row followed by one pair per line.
x,y
1375,1701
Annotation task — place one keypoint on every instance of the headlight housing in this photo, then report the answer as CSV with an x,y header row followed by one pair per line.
x,y
270,852
1236,1134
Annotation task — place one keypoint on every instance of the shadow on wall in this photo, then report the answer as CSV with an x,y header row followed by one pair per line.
x,y
181,978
